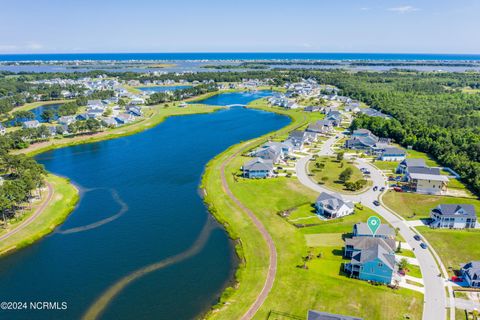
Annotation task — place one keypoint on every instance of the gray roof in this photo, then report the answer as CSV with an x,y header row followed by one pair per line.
x,y
258,164
393,151
361,131
424,170
297,134
333,201
473,269
455,210
426,173
383,230
374,252
360,243
368,141
272,153
318,315
414,162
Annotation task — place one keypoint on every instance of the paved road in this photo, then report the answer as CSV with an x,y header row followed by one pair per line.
x,y
435,297
272,268
30,219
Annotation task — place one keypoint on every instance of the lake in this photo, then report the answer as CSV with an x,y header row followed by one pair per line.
x,y
163,88
139,205
230,98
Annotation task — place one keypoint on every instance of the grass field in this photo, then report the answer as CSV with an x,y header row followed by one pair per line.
x,y
322,286
406,204
62,203
332,171
453,246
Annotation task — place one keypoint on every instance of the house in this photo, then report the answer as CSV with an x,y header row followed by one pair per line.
x,y
94,104
135,111
258,168
363,139
286,147
393,154
361,229
3,130
52,130
335,117
321,127
373,263
124,118
66,120
471,273
454,216
109,122
356,244
298,138
317,315
409,163
137,100
374,113
273,153
32,124
312,109
332,206
426,180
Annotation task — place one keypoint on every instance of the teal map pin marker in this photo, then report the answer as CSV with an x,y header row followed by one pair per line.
x,y
373,224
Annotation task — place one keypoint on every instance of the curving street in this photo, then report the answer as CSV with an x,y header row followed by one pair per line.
x,y
435,300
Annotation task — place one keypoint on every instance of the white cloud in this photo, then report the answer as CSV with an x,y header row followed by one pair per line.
x,y
7,47
34,46
403,9
365,9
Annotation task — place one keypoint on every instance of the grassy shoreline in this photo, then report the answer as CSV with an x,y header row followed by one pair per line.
x,y
266,198
64,199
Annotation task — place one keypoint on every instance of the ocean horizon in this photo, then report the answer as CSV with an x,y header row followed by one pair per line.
x,y
236,56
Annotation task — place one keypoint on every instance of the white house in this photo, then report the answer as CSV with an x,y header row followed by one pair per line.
x,y
393,154
426,180
332,206
471,273
454,216
31,124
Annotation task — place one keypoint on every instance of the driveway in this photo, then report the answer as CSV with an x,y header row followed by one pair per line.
x,y
435,301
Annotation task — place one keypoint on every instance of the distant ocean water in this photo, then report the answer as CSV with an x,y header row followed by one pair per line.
x,y
236,56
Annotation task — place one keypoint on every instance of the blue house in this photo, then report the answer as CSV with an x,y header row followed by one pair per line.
x,y
374,263
258,168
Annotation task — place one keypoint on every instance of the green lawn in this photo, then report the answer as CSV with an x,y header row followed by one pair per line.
x,y
62,203
322,286
406,204
414,271
453,246
386,165
332,171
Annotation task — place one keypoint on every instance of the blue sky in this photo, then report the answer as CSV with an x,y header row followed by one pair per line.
x,y
57,26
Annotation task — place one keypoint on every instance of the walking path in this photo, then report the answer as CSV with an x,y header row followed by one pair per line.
x,y
435,301
32,218
272,268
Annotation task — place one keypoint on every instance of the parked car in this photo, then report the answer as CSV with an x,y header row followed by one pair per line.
x,y
382,189
398,189
375,188
376,202
417,237
423,245
391,178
